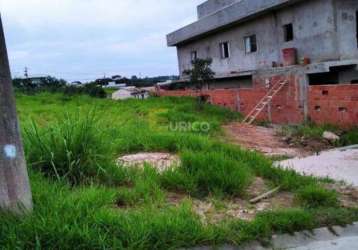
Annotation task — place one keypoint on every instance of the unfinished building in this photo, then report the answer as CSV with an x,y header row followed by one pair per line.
x,y
308,47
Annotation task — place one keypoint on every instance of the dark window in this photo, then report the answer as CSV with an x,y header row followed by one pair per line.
x,y
194,55
250,44
342,109
288,32
232,83
324,78
225,50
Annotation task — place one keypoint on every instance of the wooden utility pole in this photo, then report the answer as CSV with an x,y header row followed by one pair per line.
x,y
15,192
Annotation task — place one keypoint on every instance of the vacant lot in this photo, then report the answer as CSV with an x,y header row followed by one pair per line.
x,y
83,199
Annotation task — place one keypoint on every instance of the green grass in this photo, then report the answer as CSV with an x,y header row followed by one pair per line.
x,y
313,131
211,172
308,130
350,137
313,196
90,203
71,148
110,91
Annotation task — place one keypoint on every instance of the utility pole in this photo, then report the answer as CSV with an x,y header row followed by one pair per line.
x,y
15,192
26,72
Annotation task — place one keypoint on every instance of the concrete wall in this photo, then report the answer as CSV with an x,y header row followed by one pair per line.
x,y
323,30
211,6
347,28
239,61
239,12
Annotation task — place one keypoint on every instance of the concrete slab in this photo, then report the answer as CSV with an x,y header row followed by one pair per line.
x,y
338,164
322,238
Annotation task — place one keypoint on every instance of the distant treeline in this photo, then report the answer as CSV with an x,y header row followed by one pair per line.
x,y
51,84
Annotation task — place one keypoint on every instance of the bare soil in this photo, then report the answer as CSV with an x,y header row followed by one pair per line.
x,y
262,139
213,211
348,195
160,161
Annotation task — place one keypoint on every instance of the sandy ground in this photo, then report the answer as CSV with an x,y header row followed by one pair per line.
x,y
338,164
261,139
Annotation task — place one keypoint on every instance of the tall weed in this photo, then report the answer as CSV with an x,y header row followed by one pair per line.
x,y
71,149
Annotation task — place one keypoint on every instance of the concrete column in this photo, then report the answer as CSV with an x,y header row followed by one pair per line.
x,y
304,95
15,193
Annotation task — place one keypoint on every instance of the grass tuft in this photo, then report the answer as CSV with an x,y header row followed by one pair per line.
x,y
314,196
210,172
350,137
70,149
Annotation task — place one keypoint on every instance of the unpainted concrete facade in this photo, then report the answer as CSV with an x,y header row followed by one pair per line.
x,y
212,6
324,30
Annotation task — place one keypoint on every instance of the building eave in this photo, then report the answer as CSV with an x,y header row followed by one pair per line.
x,y
233,14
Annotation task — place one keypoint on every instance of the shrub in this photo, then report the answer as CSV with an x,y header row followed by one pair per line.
x,y
283,221
70,149
307,130
314,196
92,90
350,137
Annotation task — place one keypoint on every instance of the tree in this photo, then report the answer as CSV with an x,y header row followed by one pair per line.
x,y
15,193
201,72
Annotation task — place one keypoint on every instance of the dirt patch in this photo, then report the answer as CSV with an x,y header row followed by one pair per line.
x,y
213,211
257,187
262,139
348,195
160,161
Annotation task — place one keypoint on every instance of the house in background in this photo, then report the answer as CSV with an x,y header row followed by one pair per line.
x,y
306,50
131,92
34,81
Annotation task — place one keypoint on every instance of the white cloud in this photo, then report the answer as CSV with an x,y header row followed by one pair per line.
x,y
63,34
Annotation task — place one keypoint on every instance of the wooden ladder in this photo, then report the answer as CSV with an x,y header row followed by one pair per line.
x,y
251,117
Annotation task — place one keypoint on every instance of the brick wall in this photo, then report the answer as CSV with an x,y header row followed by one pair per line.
x,y
327,104
222,97
285,106
334,104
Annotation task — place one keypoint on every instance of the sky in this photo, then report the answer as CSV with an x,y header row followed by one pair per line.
x,y
87,39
